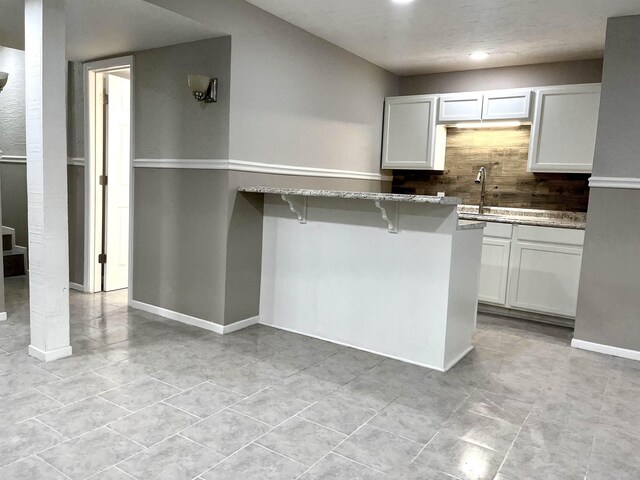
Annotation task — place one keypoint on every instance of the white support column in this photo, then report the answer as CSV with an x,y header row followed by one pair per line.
x,y
45,79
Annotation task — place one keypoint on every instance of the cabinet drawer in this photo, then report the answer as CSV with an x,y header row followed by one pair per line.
x,y
561,236
498,230
507,105
459,107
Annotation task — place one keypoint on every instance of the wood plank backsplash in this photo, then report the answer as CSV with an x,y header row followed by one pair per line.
x,y
503,152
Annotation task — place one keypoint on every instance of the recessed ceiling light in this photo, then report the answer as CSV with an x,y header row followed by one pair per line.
x,y
479,56
402,1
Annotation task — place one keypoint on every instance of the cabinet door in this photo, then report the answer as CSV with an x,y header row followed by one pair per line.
x,y
507,105
494,270
563,133
460,107
545,278
410,133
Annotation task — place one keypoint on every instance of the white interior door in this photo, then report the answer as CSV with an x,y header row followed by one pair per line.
x,y
118,174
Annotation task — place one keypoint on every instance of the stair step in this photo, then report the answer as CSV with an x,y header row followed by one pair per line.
x,y
7,243
13,265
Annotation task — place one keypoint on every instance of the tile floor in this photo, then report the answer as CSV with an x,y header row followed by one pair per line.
x,y
147,398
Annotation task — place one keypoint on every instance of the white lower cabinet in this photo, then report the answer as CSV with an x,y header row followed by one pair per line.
x,y
494,271
537,270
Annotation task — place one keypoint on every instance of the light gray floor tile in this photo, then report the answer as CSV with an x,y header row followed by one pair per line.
x,y
525,461
79,418
153,424
226,432
461,459
125,371
496,406
378,449
140,394
416,471
15,344
32,468
301,440
306,387
337,467
280,365
369,392
483,431
91,453
614,455
338,414
25,439
176,458
23,379
24,405
332,370
418,425
255,463
183,378
111,473
241,380
76,388
205,400
270,406
74,365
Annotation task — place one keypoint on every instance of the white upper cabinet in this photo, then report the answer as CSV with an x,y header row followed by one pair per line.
x,y
412,140
507,105
460,107
563,133
476,106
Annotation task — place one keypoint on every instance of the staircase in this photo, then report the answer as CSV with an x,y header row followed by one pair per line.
x,y
14,257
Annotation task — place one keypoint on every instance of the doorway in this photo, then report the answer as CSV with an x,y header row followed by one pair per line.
x,y
108,174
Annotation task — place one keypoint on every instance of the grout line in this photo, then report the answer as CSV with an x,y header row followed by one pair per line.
x,y
425,446
56,469
320,425
51,428
355,461
125,473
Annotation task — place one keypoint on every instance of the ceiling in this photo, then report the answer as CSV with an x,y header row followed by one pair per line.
x,y
438,35
99,28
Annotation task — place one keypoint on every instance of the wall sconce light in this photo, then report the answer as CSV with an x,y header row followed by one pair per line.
x,y
4,76
204,89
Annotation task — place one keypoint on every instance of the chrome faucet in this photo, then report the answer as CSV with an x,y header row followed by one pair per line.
x,y
481,179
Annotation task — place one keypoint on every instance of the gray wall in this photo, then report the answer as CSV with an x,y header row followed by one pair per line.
x,y
13,178
75,181
12,111
180,240
295,99
608,307
75,110
169,123
544,74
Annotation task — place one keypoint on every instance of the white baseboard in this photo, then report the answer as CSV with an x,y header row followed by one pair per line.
x,y
194,321
375,352
76,286
234,327
50,355
3,316
606,349
453,362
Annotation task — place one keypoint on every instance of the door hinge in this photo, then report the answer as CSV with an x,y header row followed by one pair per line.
x,y
105,98
103,180
102,258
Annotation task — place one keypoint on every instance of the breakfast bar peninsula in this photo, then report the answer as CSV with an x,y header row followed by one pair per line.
x,y
391,274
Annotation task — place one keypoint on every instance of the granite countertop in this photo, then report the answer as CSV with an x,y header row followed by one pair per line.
x,y
390,197
471,224
524,216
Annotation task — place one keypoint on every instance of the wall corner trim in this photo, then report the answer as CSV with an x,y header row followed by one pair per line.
x,y
256,167
194,321
615,182
606,349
